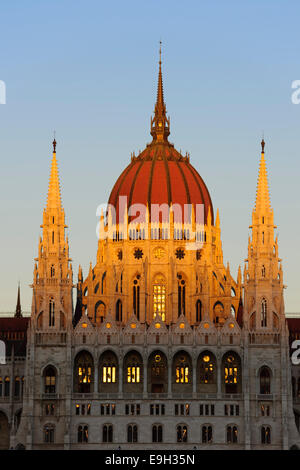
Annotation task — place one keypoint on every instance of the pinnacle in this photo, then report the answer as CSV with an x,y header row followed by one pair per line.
x,y
262,192
54,198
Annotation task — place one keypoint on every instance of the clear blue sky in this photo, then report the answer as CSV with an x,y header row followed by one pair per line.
x,y
89,68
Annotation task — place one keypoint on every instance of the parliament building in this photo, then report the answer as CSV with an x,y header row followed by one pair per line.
x,y
163,348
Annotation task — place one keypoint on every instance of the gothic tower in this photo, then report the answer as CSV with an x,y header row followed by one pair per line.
x,y
52,284
263,272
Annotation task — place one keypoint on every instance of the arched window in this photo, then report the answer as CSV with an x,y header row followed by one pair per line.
x,y
84,373
49,433
207,369
17,389
232,311
181,287
157,433
50,380
136,296
232,374
231,434
263,271
198,311
265,435
107,433
108,372
51,312
119,310
265,381
157,373
100,312
182,369
182,433
206,434
103,283
52,271
159,297
218,312
132,372
263,313
83,434
6,386
132,433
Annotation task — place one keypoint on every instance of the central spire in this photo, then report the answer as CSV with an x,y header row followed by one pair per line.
x,y
160,124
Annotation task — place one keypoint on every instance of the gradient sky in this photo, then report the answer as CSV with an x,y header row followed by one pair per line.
x,y
88,69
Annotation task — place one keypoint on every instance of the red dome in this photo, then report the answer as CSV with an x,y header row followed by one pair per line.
x,y
160,175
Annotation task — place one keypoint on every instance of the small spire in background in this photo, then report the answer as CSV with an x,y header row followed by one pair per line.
x,y
18,313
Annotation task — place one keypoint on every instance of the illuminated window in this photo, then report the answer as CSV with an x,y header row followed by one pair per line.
x,y
84,373
182,433
266,435
49,409
49,434
83,434
50,380
232,435
231,373
133,374
159,298
207,369
108,374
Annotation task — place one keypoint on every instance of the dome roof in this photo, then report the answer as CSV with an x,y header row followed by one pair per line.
x,y
160,174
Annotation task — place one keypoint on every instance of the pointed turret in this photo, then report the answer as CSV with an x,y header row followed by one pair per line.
x,y
160,124
262,269
18,313
262,203
54,199
53,269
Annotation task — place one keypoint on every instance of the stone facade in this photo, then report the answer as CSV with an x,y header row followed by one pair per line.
x,y
164,349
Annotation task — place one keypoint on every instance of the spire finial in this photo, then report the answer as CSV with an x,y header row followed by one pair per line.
x,y
263,145
54,143
160,124
54,199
